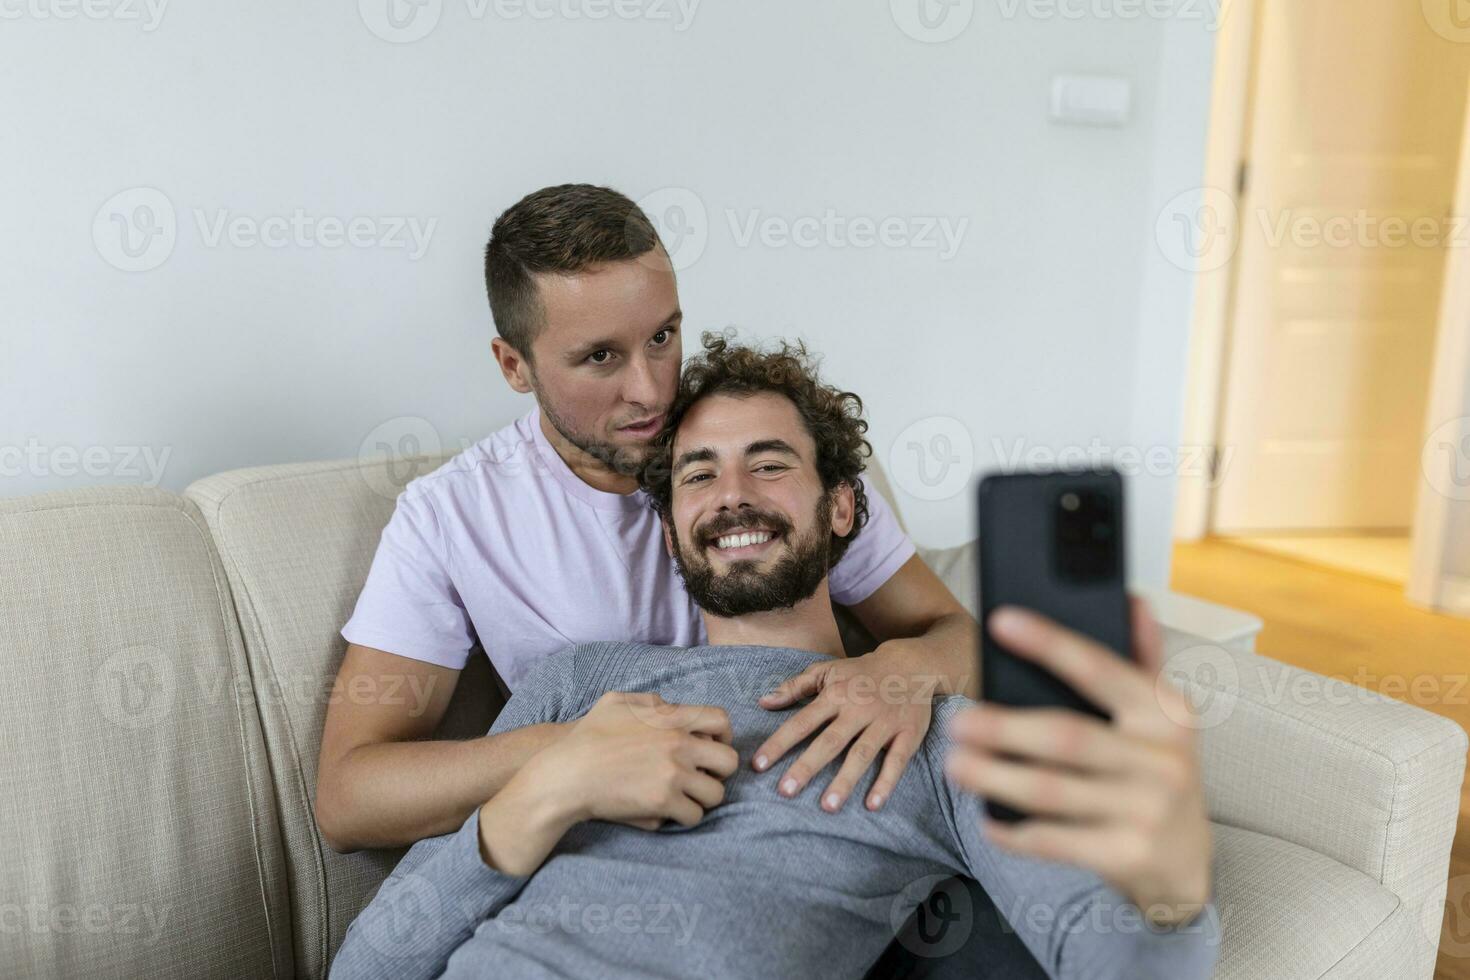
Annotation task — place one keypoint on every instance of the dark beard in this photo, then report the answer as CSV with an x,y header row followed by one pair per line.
x,y
622,460
744,589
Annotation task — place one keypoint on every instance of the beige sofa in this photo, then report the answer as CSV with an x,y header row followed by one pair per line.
x,y
165,667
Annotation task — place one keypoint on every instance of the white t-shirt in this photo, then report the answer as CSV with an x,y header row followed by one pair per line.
x,y
505,544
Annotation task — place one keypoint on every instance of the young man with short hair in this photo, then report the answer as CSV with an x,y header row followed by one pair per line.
x,y
758,491
538,537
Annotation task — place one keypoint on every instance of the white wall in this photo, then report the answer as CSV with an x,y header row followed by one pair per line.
x,y
1055,323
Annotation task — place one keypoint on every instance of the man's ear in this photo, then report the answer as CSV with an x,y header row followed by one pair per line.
x,y
513,365
668,539
844,509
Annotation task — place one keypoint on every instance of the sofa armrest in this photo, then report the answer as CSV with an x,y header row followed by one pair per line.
x,y
1359,777
958,568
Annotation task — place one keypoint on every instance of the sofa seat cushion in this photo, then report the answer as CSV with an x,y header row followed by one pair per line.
x,y
1290,913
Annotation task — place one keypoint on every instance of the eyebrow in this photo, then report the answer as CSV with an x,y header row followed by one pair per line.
x,y
611,343
704,454
771,446
693,456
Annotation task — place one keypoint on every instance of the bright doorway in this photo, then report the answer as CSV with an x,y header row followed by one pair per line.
x,y
1328,341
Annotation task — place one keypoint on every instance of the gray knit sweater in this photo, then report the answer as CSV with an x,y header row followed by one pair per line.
x,y
762,887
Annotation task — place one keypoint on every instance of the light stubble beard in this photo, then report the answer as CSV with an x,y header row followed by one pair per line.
x,y
622,460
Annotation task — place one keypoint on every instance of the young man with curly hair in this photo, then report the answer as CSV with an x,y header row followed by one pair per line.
x,y
755,481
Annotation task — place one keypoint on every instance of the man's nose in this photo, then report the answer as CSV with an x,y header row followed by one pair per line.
x,y
640,385
733,490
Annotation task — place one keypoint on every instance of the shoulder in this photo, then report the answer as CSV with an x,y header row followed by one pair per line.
x,y
607,652
621,665
877,550
480,469
935,748
583,672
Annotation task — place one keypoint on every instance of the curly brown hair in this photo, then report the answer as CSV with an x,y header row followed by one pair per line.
x,y
833,418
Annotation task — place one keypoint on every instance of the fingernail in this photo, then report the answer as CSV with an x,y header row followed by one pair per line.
x,y
875,801
788,786
832,802
761,762
1006,618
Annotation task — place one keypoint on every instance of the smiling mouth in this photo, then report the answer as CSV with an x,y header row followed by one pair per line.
x,y
742,544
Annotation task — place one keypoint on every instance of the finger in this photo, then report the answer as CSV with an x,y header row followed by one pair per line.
x,y
1042,790
712,721
804,685
1056,736
824,748
895,761
716,758
1105,678
703,789
1148,638
1068,739
860,758
685,811
656,713
645,823
793,732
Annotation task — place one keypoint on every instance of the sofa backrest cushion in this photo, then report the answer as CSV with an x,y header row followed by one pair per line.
x,y
296,541
141,835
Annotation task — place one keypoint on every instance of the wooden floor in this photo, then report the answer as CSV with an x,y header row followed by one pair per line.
x,y
1382,556
1357,628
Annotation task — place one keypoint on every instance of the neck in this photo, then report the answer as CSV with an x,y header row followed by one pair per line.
x,y
808,625
584,466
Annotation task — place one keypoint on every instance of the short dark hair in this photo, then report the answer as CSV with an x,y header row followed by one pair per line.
x,y
563,229
833,418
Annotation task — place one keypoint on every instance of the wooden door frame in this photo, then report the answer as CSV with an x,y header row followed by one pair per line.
x,y
1225,152
1449,398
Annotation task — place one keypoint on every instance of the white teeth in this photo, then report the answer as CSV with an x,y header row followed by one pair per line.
x,y
743,540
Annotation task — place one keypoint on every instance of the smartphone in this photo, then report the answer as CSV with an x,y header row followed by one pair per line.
x,y
1051,542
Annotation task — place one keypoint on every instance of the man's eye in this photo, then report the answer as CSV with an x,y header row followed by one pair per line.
x,y
599,356
696,477
663,336
770,467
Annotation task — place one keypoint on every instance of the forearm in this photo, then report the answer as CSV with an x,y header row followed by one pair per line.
x,y
947,650
1077,924
1098,934
392,794
522,823
1072,920
429,906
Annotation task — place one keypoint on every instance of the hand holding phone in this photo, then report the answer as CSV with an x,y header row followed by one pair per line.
x,y
1079,733
1053,543
1122,797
